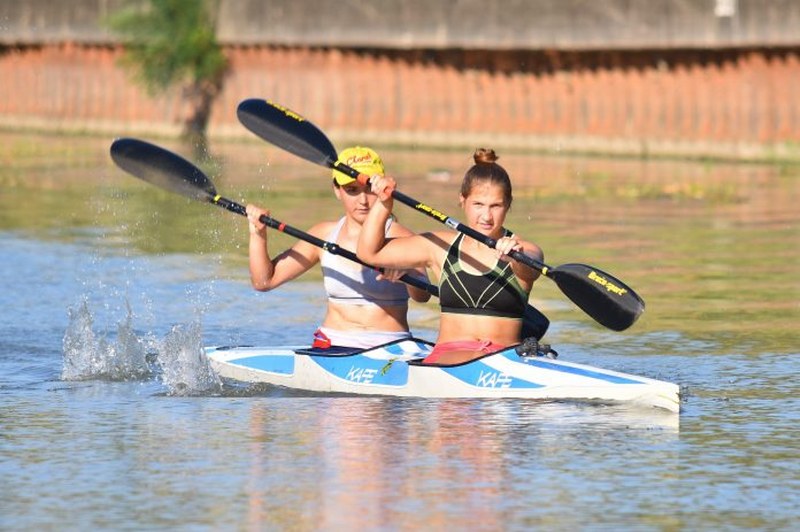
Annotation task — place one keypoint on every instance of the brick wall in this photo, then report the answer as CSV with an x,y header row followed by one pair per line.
x,y
732,103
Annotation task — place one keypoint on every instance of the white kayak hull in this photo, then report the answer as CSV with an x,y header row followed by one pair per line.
x,y
395,369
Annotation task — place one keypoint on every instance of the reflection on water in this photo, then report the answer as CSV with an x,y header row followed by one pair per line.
x,y
421,463
109,286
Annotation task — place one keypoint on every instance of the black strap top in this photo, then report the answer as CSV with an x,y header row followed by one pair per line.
x,y
494,293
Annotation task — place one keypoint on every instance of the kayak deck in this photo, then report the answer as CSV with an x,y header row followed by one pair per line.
x,y
396,369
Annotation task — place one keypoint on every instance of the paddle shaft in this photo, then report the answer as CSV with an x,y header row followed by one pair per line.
x,y
534,323
330,247
446,220
172,172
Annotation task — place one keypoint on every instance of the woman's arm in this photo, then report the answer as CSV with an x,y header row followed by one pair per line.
x,y
419,295
266,273
410,251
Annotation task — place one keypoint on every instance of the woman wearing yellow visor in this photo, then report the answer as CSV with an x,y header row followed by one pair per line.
x,y
365,308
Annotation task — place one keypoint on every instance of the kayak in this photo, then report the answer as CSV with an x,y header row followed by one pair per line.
x,y
396,369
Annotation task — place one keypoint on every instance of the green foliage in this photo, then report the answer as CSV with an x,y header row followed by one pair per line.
x,y
169,42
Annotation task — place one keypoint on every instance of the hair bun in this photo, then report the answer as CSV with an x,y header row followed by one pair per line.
x,y
485,156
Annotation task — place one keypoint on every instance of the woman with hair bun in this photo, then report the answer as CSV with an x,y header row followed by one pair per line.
x,y
483,292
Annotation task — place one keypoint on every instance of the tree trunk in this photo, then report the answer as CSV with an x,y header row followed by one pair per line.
x,y
200,96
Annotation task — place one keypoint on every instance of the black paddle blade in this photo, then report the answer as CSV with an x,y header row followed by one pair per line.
x,y
601,295
162,168
534,323
287,130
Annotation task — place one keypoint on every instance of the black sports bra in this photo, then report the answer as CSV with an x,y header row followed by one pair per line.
x,y
494,293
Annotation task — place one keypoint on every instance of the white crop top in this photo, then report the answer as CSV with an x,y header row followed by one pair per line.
x,y
350,283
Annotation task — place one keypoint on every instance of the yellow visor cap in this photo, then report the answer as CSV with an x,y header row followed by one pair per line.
x,y
360,158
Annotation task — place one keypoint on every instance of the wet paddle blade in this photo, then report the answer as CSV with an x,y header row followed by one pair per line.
x,y
601,295
162,168
534,323
287,130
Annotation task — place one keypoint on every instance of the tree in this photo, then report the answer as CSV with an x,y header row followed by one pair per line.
x,y
172,44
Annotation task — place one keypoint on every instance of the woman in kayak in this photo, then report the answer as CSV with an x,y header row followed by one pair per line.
x,y
483,292
365,308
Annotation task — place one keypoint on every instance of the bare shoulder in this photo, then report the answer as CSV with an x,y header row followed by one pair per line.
x,y
323,229
399,230
440,239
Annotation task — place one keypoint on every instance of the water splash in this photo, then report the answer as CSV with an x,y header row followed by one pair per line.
x,y
178,360
185,369
87,356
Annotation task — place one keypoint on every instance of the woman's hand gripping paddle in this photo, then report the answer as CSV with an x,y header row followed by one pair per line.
x,y
602,296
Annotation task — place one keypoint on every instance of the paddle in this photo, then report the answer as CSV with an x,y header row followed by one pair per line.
x,y
601,295
169,171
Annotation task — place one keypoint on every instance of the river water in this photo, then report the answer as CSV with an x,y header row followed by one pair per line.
x,y
109,419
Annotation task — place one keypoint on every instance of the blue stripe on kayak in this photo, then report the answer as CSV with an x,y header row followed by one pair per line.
x,y
283,364
394,349
511,355
404,347
364,370
483,376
